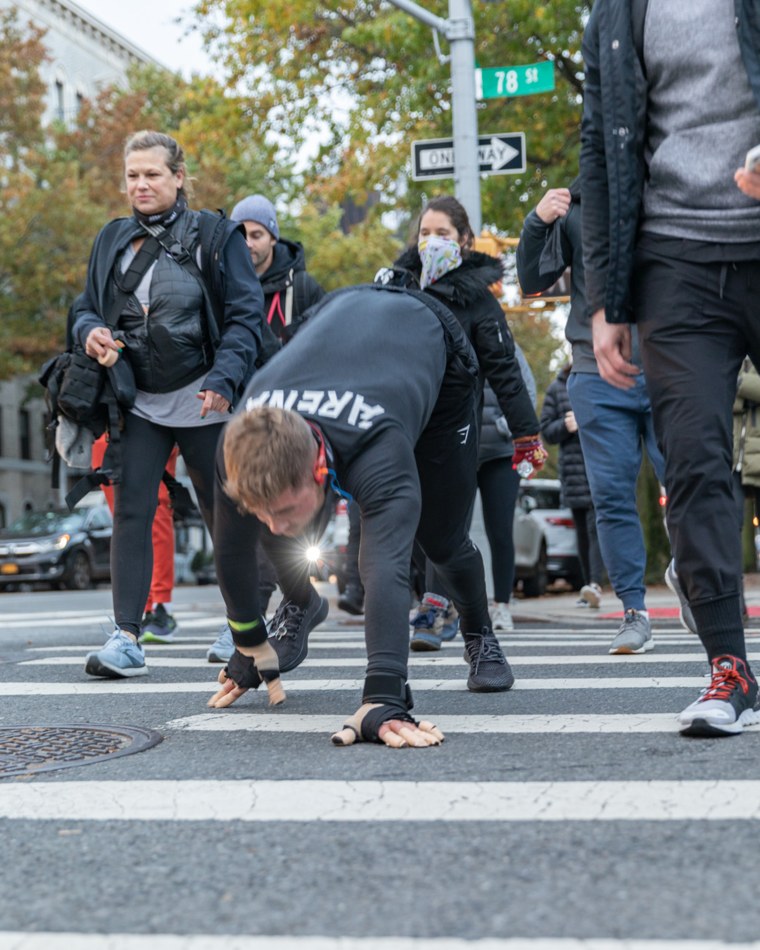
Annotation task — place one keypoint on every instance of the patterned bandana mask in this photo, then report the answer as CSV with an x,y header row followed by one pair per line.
x,y
439,255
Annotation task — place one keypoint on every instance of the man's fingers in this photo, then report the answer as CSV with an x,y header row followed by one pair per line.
x,y
426,726
276,692
345,736
387,735
226,697
410,734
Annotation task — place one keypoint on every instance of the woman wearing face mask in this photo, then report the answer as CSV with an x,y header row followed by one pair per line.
x,y
440,261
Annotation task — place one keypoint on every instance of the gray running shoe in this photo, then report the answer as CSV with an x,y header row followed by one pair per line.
x,y
290,627
685,614
634,635
489,670
222,648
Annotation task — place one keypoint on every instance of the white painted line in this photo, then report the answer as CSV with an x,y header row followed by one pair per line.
x,y
427,662
202,643
451,725
295,685
375,801
89,941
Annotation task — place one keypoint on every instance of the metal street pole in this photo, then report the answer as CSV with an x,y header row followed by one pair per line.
x,y
459,30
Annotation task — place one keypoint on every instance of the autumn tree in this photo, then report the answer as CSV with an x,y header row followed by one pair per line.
x,y
363,78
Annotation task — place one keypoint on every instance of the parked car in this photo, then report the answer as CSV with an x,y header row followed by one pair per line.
x,y
59,547
546,543
328,558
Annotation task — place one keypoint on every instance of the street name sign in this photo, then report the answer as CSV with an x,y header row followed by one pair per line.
x,y
504,81
502,153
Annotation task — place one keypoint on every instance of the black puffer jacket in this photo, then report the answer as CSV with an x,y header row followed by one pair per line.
x,y
465,291
230,366
572,469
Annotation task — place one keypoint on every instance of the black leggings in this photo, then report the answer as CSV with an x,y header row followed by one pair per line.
x,y
145,450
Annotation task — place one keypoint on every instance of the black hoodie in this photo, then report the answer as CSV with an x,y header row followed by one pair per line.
x,y
288,269
466,292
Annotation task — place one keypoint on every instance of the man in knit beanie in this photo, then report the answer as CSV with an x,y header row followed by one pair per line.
x,y
280,265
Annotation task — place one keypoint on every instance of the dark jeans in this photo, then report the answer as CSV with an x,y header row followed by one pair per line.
x,y
615,425
697,323
145,450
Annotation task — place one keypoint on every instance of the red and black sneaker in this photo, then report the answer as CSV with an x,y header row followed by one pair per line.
x,y
728,704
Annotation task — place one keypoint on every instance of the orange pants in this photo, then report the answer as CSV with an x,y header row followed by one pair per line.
x,y
162,581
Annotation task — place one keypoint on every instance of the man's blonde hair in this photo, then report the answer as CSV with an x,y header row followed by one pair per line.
x,y
266,452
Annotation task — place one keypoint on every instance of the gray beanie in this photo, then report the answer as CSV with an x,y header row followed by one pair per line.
x,y
259,209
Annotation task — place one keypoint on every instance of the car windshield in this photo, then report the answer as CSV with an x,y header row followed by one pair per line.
x,y
545,497
34,523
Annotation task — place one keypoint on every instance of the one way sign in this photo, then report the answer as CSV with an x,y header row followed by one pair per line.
x,y
498,154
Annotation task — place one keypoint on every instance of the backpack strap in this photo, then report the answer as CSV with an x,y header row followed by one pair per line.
x,y
127,283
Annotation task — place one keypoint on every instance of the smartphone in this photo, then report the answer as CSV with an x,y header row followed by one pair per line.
x,y
752,161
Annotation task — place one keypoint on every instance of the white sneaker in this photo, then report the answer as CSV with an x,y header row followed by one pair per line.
x,y
591,594
501,618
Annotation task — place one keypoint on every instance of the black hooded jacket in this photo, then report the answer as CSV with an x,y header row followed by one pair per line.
x,y
288,269
466,292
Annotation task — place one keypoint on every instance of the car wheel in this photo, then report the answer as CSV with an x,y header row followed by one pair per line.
x,y
535,585
78,572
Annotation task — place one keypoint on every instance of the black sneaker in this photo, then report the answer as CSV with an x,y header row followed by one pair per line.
x,y
727,705
489,670
290,627
352,600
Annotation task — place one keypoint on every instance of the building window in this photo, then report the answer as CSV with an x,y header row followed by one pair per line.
x,y
80,102
60,113
24,434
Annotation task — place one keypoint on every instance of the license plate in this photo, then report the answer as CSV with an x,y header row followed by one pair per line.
x,y
8,568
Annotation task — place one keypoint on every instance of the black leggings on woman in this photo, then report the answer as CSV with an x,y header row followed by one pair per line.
x,y
145,450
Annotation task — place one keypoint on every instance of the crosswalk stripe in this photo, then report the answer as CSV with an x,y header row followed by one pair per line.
x,y
378,801
198,643
295,685
11,940
602,659
450,725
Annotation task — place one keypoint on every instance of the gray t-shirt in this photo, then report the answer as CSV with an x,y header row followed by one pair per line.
x,y
702,120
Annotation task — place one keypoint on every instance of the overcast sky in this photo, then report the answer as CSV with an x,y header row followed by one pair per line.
x,y
150,25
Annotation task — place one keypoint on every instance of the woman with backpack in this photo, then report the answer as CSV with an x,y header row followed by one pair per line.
x,y
191,331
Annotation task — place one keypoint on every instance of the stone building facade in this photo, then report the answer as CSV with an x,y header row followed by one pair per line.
x,y
85,55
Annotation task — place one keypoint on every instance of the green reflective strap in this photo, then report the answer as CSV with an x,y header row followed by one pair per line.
x,y
243,627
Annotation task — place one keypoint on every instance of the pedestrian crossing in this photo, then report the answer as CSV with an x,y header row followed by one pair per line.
x,y
578,773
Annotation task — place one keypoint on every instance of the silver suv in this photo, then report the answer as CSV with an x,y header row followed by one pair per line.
x,y
546,544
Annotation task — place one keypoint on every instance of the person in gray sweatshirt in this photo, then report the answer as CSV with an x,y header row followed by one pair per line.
x,y
671,232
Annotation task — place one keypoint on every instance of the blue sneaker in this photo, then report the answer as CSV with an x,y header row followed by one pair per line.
x,y
120,657
427,626
222,648
450,627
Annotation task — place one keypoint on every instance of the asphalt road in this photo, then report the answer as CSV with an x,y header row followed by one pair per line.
x,y
565,814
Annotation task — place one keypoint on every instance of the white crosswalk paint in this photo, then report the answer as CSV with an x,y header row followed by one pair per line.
x,y
296,685
428,662
81,941
450,725
377,801
201,643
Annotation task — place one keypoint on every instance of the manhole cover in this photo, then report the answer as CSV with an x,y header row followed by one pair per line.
x,y
28,749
